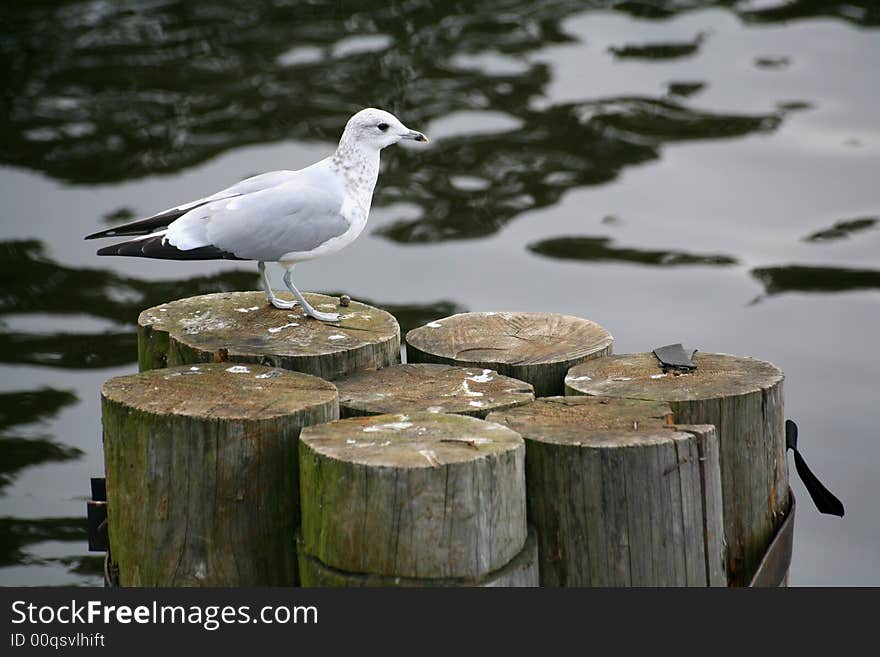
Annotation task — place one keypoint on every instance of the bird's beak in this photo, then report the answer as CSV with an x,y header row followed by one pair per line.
x,y
415,136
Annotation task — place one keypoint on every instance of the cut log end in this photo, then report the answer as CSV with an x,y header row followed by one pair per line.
x,y
433,388
534,347
223,391
420,440
587,420
640,376
243,327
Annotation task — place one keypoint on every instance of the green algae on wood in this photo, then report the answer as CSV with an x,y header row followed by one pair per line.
x,y
242,327
538,348
740,396
424,495
430,387
521,571
616,495
201,465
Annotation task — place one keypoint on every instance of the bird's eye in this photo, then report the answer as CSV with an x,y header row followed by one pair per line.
x,y
383,127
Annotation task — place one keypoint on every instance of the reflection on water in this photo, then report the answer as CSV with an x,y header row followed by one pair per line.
x,y
557,149
842,229
17,534
69,350
19,453
24,408
596,249
685,89
800,278
29,407
860,12
71,114
112,93
667,50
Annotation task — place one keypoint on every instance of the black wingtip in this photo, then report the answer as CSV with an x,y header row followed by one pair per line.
x,y
113,249
99,234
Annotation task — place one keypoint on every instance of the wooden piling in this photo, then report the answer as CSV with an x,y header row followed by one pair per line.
x,y
617,495
424,496
742,398
242,327
432,388
538,348
201,466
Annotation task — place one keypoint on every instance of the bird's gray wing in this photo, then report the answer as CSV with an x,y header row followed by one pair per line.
x,y
164,218
264,225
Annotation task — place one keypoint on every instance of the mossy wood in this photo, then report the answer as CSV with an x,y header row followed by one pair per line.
x,y
521,571
242,327
430,387
538,348
742,398
616,495
422,496
201,466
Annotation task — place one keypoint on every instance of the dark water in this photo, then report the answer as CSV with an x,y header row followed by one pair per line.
x,y
677,170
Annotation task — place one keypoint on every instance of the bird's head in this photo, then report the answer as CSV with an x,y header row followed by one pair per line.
x,y
378,128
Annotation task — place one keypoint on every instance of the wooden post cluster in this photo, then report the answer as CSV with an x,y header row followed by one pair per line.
x,y
201,466
242,327
742,398
227,463
538,348
618,495
424,499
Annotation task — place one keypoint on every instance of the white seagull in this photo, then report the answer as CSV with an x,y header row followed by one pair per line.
x,y
281,216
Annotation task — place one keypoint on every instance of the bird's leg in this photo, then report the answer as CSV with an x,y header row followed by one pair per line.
x,y
311,312
275,301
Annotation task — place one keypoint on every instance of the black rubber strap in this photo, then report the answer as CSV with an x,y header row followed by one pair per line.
x,y
823,498
674,357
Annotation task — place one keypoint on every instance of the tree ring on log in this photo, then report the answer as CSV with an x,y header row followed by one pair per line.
x,y
538,348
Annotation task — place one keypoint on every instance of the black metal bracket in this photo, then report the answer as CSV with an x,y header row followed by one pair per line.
x,y
96,512
823,498
773,570
674,357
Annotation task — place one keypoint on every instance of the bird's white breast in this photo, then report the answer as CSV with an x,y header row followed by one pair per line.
x,y
358,175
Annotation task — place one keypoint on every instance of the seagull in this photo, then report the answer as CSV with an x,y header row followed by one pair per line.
x,y
281,216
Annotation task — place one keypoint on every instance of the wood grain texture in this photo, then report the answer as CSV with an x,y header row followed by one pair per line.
x,y
425,495
521,571
430,387
743,398
615,493
713,500
538,348
201,466
242,327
